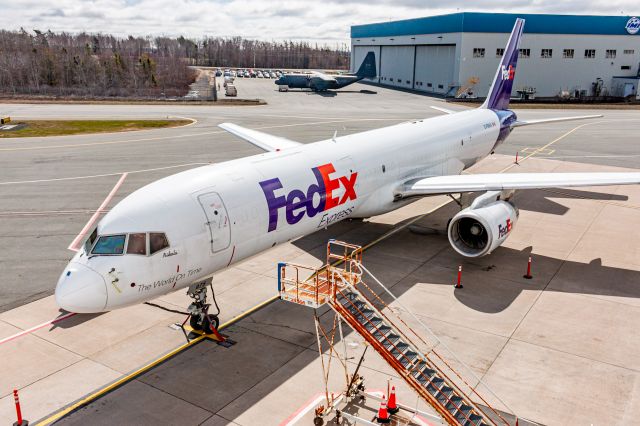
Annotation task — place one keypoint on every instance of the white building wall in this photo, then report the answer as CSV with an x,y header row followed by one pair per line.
x,y
548,76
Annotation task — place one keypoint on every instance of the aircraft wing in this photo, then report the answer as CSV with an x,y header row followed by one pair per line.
x,y
322,76
497,182
261,140
520,123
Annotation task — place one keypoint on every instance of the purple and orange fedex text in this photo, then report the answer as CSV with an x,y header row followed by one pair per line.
x,y
298,203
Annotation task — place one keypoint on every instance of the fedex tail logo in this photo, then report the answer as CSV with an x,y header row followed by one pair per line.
x,y
297,203
507,73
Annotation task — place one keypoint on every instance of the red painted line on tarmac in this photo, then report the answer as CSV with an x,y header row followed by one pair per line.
x,y
75,244
310,402
37,327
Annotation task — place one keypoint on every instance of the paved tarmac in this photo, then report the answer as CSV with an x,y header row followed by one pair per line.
x,y
561,340
39,219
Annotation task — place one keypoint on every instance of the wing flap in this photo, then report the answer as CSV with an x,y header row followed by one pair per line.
x,y
498,182
260,139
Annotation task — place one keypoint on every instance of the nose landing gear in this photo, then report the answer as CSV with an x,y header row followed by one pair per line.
x,y
199,317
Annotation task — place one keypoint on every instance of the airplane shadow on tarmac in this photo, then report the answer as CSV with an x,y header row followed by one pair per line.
x,y
333,93
413,260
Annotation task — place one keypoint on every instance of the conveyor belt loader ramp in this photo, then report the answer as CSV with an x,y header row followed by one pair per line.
x,y
340,285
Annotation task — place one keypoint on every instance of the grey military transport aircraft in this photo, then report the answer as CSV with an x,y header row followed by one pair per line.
x,y
319,82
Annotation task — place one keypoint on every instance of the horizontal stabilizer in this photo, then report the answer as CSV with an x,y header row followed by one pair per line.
x,y
260,139
497,182
554,120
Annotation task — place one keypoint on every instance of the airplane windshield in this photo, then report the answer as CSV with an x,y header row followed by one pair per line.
x,y
92,239
111,244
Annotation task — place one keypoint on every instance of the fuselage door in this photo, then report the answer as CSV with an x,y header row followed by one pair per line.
x,y
217,220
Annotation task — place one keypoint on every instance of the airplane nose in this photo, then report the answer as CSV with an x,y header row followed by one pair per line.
x,y
80,289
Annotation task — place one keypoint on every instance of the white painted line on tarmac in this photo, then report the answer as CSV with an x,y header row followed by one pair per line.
x,y
75,244
217,132
48,212
37,327
102,175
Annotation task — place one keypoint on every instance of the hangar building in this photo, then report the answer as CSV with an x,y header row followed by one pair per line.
x,y
560,55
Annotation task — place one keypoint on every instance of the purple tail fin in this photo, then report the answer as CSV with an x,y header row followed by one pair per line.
x,y
500,93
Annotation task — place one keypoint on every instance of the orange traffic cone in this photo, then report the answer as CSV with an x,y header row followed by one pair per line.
x,y
383,414
392,407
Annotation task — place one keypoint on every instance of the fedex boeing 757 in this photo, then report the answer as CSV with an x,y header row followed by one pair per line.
x,y
178,231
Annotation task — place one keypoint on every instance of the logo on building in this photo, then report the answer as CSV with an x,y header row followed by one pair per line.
x,y
507,73
298,203
633,25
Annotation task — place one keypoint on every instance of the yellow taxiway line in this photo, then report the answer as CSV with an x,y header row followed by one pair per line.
x,y
123,380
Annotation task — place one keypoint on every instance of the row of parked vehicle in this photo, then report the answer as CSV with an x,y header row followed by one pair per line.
x,y
248,73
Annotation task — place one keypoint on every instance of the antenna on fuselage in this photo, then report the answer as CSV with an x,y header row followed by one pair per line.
x,y
335,133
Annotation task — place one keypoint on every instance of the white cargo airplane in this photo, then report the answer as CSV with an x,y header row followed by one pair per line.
x,y
178,231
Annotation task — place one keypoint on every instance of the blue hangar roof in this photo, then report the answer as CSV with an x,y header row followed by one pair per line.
x,y
475,22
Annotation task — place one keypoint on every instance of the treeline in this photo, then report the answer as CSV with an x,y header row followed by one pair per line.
x,y
98,65
47,63
244,53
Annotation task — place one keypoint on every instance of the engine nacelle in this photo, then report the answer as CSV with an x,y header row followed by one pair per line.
x,y
477,231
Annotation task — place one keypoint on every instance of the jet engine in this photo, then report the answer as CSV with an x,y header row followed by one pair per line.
x,y
482,227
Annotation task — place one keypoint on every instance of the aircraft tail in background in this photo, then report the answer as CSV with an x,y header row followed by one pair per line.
x,y
368,67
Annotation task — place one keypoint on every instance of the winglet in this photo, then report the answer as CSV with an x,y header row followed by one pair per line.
x,y
500,93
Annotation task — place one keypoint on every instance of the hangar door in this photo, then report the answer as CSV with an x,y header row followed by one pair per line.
x,y
435,66
396,66
360,52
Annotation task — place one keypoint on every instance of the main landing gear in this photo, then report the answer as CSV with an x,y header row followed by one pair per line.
x,y
199,317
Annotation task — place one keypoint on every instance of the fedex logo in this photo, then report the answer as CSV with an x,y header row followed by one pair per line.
x,y
297,203
507,73
504,230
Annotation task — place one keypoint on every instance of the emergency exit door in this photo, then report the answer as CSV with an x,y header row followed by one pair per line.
x,y
217,220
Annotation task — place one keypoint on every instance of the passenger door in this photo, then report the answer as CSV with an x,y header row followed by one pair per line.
x,y
217,220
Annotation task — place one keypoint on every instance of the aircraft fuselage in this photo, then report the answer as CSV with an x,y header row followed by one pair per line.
x,y
217,215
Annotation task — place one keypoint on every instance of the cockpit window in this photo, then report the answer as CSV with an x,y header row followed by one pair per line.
x,y
91,240
157,242
111,244
137,244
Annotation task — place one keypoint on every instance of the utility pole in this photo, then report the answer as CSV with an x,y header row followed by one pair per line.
x,y
254,58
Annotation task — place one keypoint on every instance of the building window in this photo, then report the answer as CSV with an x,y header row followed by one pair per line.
x,y
546,53
625,67
611,53
525,53
429,85
440,86
478,52
590,53
568,53
629,51
499,52
408,82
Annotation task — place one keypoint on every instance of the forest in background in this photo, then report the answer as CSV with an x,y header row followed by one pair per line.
x,y
98,65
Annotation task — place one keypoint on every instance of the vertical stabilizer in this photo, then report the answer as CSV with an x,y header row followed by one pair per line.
x,y
368,67
500,93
